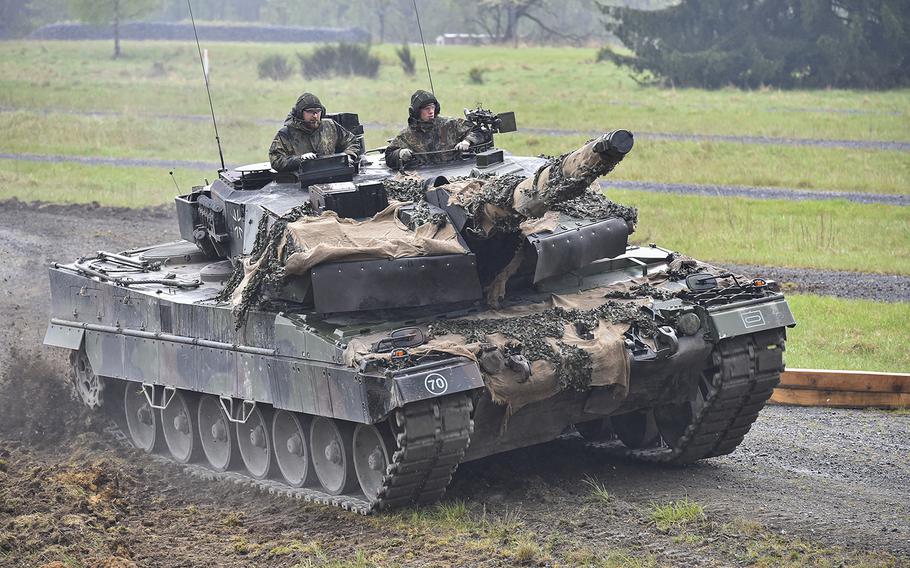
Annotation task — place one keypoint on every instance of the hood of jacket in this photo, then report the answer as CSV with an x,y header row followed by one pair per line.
x,y
305,101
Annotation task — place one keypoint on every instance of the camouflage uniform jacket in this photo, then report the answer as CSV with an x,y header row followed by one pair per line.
x,y
295,139
425,136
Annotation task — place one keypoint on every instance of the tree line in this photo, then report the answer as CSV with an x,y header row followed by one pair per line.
x,y
699,43
504,21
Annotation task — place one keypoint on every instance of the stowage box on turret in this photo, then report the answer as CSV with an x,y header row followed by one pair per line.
x,y
350,334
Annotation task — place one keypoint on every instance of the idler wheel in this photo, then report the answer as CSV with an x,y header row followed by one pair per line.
x,y
636,429
371,457
254,439
292,453
178,424
216,434
141,418
330,442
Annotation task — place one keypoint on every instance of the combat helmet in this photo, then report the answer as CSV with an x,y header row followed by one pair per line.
x,y
420,99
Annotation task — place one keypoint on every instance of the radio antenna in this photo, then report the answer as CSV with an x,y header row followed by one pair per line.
x,y
207,90
175,182
424,44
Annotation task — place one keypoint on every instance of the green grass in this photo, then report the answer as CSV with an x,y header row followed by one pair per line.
x,y
676,514
245,141
547,87
79,183
752,544
599,491
832,333
819,234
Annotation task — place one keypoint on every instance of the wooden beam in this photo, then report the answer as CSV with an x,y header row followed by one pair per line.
x,y
843,389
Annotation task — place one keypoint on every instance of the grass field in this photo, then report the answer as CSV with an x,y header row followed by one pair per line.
x,y
43,83
546,87
819,234
246,141
848,334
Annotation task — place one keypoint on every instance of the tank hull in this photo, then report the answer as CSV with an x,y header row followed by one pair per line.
x,y
155,337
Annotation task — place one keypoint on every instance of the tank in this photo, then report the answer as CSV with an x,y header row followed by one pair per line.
x,y
349,334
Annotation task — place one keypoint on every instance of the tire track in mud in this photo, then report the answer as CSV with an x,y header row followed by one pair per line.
x,y
893,145
703,190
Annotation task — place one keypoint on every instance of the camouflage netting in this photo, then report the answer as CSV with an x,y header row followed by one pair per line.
x,y
301,240
571,342
404,188
267,254
594,205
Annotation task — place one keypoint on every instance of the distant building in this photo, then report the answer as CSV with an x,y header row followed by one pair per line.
x,y
463,39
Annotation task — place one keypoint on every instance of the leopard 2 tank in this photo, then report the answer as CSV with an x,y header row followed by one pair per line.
x,y
349,334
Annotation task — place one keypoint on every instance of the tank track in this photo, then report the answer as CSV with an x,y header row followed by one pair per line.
x,y
745,371
432,436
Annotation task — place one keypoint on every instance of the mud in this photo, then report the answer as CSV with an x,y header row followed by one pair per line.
x,y
38,409
70,493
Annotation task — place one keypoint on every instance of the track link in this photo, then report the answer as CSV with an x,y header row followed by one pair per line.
x,y
432,436
744,372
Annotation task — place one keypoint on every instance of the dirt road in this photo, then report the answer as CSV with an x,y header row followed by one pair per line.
x,y
808,485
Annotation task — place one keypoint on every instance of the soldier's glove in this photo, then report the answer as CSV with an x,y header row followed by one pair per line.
x,y
308,156
463,146
405,155
614,144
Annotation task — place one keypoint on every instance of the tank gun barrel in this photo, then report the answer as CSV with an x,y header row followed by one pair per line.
x,y
564,178
571,174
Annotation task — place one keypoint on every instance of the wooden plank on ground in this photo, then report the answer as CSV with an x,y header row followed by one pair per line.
x,y
843,389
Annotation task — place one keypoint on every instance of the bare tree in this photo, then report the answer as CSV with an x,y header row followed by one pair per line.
x,y
111,11
500,18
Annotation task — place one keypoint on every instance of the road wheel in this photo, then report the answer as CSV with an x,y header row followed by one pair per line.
x,y
292,453
372,453
254,439
178,424
216,434
636,429
141,418
330,441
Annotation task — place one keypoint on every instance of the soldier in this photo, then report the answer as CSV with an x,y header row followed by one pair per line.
x,y
306,135
429,132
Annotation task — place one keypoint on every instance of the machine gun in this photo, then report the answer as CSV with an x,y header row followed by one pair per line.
x,y
495,123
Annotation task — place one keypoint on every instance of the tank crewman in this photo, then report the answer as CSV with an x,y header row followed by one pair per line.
x,y
306,135
429,132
